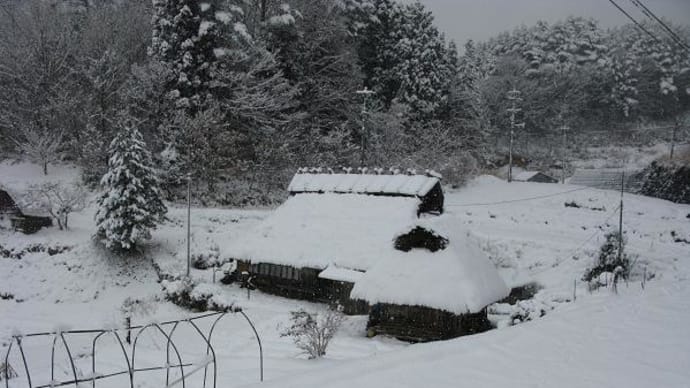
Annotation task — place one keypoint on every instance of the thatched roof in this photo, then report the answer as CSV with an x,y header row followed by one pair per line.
x,y
396,185
459,278
319,230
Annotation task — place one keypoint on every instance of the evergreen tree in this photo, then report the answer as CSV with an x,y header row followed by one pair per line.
x,y
131,204
404,57
186,37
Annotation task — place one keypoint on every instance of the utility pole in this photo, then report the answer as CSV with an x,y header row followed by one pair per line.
x,y
564,130
514,97
189,219
673,137
366,93
620,220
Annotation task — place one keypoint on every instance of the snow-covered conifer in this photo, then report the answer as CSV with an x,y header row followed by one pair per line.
x,y
131,204
186,36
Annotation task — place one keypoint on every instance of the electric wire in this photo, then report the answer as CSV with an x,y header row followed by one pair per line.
x,y
640,26
677,39
517,199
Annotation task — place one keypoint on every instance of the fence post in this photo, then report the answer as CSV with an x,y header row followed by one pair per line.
x,y
574,290
128,323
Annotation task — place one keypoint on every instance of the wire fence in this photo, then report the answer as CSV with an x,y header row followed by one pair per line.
x,y
177,371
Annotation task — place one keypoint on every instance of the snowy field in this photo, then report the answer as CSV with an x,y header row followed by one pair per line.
x,y
636,338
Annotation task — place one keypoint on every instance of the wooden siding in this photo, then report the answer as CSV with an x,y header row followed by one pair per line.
x,y
302,283
421,324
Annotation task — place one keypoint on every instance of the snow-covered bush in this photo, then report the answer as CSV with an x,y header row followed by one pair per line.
x,y
312,332
131,204
522,311
670,181
58,199
610,260
7,372
195,296
207,258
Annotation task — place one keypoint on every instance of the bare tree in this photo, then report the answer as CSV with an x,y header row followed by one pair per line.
x,y
58,199
311,332
41,146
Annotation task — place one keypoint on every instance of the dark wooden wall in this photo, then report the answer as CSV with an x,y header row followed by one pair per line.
x,y
421,324
303,283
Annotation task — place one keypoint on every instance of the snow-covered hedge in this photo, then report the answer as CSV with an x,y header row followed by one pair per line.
x,y
670,181
196,296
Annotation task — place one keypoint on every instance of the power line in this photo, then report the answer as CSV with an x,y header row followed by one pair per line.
x,y
651,15
582,245
518,200
640,26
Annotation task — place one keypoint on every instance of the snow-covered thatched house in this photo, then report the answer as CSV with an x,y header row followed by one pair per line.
x,y
373,244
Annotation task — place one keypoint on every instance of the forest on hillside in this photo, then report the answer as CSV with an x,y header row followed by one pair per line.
x,y
239,94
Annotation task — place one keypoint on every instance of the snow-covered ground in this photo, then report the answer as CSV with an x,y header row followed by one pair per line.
x,y
637,338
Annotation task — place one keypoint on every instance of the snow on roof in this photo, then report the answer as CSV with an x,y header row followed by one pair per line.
x,y
411,185
340,274
526,175
459,278
319,230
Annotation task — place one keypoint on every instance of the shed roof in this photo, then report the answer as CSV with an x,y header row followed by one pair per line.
x,y
404,185
6,202
333,272
524,176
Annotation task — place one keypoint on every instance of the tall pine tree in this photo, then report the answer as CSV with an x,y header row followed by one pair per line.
x,y
131,204
186,38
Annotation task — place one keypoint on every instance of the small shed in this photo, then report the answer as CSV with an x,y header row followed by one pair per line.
x,y
12,217
534,176
8,209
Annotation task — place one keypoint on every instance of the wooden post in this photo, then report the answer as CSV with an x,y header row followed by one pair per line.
x,y
620,221
189,217
574,290
128,324
673,137
564,128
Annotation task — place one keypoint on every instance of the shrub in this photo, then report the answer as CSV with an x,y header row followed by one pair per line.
x,y
198,297
6,371
311,332
609,260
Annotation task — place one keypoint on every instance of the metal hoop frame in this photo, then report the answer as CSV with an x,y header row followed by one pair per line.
x,y
130,363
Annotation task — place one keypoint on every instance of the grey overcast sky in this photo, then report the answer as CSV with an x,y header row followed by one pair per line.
x,y
481,19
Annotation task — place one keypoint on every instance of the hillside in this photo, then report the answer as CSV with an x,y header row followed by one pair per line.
x,y
636,338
